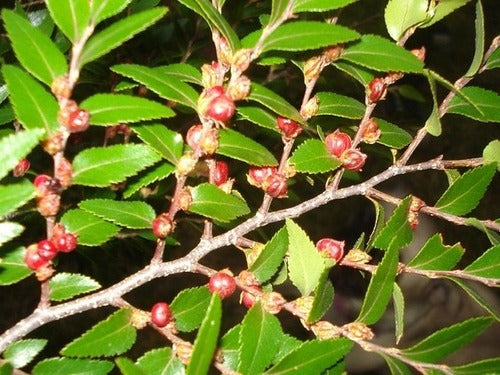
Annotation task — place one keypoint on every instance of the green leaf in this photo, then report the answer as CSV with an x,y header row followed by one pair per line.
x,y
399,311
206,340
491,153
102,166
339,105
212,202
303,35
478,296
287,345
6,114
319,5
312,156
15,195
189,307
447,340
12,266
259,117
260,340
128,367
323,297
278,9
230,347
305,264
466,192
485,366
166,142
67,285
184,72
65,366
160,362
396,366
237,146
360,74
400,15
34,107
488,103
380,288
271,257
433,122
380,54
110,337
71,16
34,50
479,41
487,265
392,136
15,147
9,231
434,255
377,225
100,10
22,352
442,9
493,61
90,230
312,357
118,33
397,232
128,214
167,86
111,109
214,19
153,174
493,236
274,102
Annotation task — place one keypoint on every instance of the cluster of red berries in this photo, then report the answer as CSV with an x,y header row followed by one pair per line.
x,y
339,145
161,314
268,179
331,248
40,254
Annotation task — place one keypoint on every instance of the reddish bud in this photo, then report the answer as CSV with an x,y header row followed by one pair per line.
x,y
310,109
21,168
289,128
313,67
210,75
60,87
224,52
161,314
33,259
49,204
43,184
221,173
371,133
248,299
163,226
66,243
221,108
331,248
222,283
46,249
420,53
272,302
241,59
186,164
63,171
377,89
353,159
185,199
275,185
337,142
54,144
193,136
210,142
257,175
240,89
78,121
332,53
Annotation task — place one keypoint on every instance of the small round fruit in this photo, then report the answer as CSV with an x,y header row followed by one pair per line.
x,y
337,142
163,226
377,89
46,249
289,128
78,121
66,243
257,175
223,284
221,173
161,314
353,159
43,184
33,260
193,136
275,185
21,168
331,248
221,108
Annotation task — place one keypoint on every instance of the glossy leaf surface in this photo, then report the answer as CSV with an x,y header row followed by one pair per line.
x,y
64,286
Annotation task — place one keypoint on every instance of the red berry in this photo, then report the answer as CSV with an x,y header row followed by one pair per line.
x,y
163,226
331,248
66,243
33,260
21,168
288,127
222,283
221,173
275,185
78,121
248,299
43,184
161,314
193,136
337,142
46,249
221,108
257,175
377,89
353,159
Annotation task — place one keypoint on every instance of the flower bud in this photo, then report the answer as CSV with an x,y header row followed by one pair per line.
x,y
358,256
310,109
183,350
353,159
419,52
257,175
21,168
209,141
337,142
325,330
221,173
332,53
224,52
272,302
49,204
359,330
241,59
376,90
186,164
209,75
371,133
275,185
313,67
54,144
247,278
303,306
163,226
185,199
60,87
331,248
240,89
63,171
288,127
248,299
